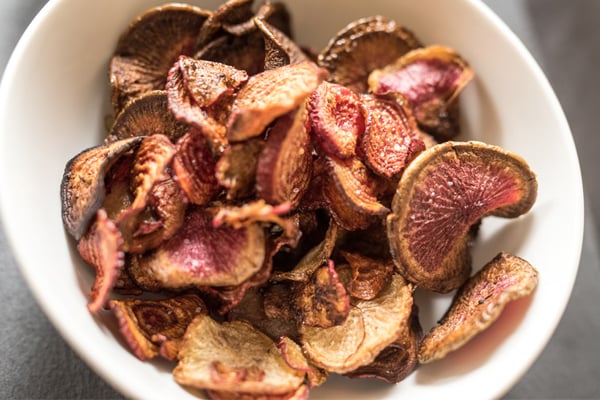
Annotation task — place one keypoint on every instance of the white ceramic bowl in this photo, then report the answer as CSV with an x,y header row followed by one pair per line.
x,y
53,101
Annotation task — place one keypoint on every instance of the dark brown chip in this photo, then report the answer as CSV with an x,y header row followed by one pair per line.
x,y
200,93
149,47
399,359
363,46
201,255
100,247
280,50
230,13
246,53
337,119
351,194
370,327
233,356
371,242
322,301
478,304
285,165
150,326
369,276
274,13
269,95
146,115
236,169
431,79
391,138
443,192
194,166
278,299
293,356
82,188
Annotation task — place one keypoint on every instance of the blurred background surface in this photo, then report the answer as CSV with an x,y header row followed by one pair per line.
x,y
563,36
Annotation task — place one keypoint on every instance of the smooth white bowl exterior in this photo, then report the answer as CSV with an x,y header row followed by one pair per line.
x,y
53,101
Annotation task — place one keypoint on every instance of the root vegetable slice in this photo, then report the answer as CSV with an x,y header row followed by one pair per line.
x,y
100,247
255,211
200,93
363,46
391,138
478,304
370,327
269,95
293,356
322,301
284,166
236,169
232,12
194,165
431,79
245,52
299,394
337,119
280,50
274,13
233,357
352,194
442,193
202,255
146,115
399,359
82,188
149,47
368,276
151,325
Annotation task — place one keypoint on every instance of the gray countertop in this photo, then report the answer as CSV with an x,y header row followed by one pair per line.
x,y
564,36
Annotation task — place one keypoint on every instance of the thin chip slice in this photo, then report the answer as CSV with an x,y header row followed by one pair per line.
x,y
284,166
82,188
245,52
100,247
280,50
149,47
269,95
147,325
233,356
363,46
231,12
431,79
274,13
202,255
293,356
337,119
391,138
370,327
299,394
194,166
369,276
478,304
236,169
322,301
443,192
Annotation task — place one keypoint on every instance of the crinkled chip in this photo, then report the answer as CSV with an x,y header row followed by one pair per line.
x,y
231,12
153,327
100,247
269,95
202,255
370,327
478,304
280,50
82,188
442,193
233,356
369,276
293,356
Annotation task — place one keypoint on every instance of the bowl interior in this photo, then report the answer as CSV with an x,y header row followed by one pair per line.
x,y
53,102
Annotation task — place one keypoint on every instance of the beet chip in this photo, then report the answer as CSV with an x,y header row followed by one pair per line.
x,y
236,169
368,276
441,195
100,247
269,95
391,139
285,165
299,394
337,119
479,303
280,50
201,255
322,301
153,327
82,188
233,357
370,327
194,166
293,356
431,79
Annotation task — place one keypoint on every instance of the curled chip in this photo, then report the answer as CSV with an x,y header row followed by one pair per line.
x,y
369,276
370,327
431,78
149,47
479,303
444,191
293,356
280,50
153,327
236,169
233,357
